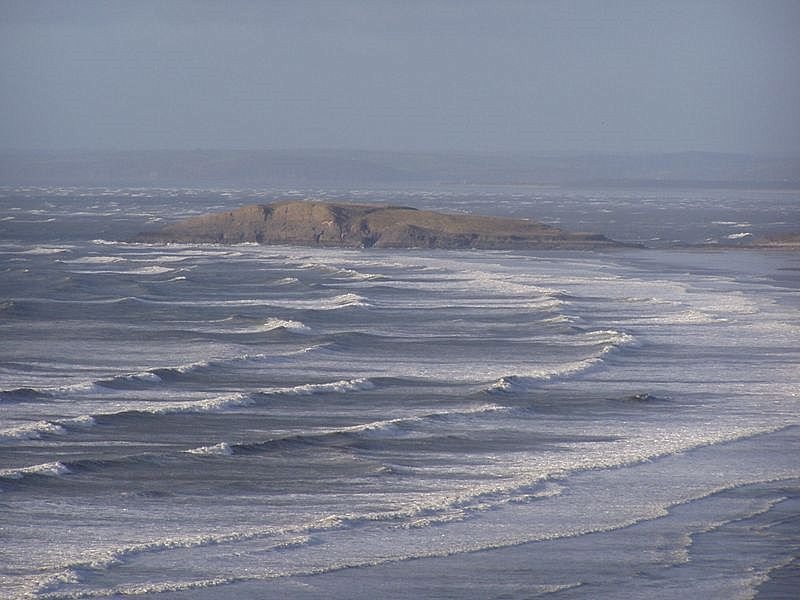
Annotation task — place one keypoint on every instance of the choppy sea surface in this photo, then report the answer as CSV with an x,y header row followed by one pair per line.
x,y
200,421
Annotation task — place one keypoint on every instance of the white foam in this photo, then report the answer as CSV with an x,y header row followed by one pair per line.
x,y
738,236
338,270
611,337
390,426
288,324
31,431
165,587
145,376
531,379
45,250
688,317
162,258
83,421
221,449
241,358
85,387
343,385
118,555
151,270
344,300
56,580
215,404
188,368
95,260
561,319
49,469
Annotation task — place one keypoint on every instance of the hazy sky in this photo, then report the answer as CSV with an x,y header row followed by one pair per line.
x,y
541,76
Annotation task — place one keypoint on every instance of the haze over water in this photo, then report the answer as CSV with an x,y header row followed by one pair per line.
x,y
544,78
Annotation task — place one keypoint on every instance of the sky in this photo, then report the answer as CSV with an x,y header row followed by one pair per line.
x,y
541,77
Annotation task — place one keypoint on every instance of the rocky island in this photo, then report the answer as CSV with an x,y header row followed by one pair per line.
x,y
312,223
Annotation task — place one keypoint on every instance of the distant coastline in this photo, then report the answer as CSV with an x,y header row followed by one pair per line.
x,y
790,241
349,168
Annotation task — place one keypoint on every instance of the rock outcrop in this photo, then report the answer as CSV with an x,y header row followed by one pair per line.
x,y
369,225
787,241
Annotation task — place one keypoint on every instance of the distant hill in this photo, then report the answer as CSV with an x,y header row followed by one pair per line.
x,y
281,168
367,226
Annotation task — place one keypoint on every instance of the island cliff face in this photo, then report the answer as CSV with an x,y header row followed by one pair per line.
x,y
367,226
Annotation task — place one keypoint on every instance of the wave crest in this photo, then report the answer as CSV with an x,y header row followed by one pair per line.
x,y
48,469
31,431
285,324
343,385
221,449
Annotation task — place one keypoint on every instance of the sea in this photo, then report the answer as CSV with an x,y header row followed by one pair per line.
x,y
252,421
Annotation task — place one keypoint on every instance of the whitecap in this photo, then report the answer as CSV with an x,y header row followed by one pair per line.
x,y
83,421
188,368
287,324
344,300
151,270
214,404
141,377
145,376
31,431
49,469
343,385
95,260
45,250
531,379
85,387
286,281
511,383
612,339
56,580
162,258
688,317
221,449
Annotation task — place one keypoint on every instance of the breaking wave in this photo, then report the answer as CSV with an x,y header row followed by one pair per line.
x,y
285,324
149,377
36,429
237,400
343,385
31,431
611,341
221,449
95,260
48,469
214,404
44,250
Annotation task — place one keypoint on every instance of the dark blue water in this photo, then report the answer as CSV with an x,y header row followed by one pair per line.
x,y
249,421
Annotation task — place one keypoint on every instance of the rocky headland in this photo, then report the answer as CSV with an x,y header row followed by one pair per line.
x,y
311,223
788,241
